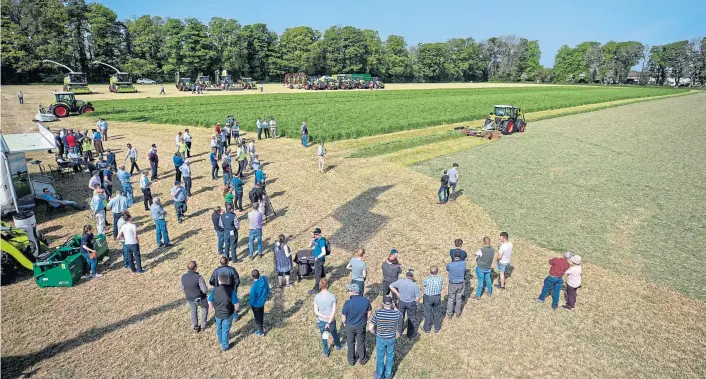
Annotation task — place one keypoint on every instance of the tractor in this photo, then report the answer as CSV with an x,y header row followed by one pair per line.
x,y
66,103
507,119
73,81
248,83
120,82
184,84
377,83
206,84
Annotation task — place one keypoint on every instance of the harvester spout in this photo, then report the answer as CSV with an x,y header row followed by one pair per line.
x,y
57,63
105,64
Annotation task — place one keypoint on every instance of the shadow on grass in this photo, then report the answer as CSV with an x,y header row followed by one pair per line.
x,y
358,223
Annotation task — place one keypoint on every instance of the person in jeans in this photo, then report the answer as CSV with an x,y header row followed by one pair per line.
x,y
88,252
444,189
358,270
259,291
116,205
384,326
53,200
225,304
484,263
131,251
126,185
213,157
230,224
325,311
255,230
160,223
186,175
178,162
237,185
391,270
457,285
433,284
355,315
408,292
573,282
229,271
145,187
504,256
318,242
458,243
216,220
453,179
194,287
552,283
179,197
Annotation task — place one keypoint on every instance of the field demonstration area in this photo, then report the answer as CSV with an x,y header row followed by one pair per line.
x,y
613,174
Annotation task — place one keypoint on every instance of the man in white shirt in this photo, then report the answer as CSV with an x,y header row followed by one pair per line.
x,y
255,231
504,255
187,141
145,186
177,140
186,175
321,151
132,154
131,250
453,179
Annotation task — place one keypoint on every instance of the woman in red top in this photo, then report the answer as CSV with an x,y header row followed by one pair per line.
x,y
71,141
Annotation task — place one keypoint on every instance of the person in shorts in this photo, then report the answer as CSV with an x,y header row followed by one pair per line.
x,y
504,255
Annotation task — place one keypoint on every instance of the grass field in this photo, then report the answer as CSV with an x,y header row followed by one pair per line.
x,y
345,115
622,187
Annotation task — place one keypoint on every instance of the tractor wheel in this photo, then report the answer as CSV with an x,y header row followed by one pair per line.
x,y
61,111
521,126
86,109
8,269
510,126
503,128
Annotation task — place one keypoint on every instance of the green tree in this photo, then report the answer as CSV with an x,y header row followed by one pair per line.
x,y
198,52
299,50
343,50
172,48
374,52
16,49
532,67
103,38
225,36
430,64
146,46
259,45
396,59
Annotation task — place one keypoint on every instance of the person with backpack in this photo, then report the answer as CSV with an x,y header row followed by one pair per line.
x,y
322,248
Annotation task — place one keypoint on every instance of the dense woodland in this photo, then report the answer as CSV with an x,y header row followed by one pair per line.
x,y
76,34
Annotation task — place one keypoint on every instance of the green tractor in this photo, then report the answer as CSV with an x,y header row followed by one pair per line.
x,y
184,84
66,103
120,82
506,119
73,81
248,83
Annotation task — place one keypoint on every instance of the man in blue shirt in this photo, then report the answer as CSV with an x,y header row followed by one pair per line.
x,y
214,163
457,285
238,188
160,222
458,243
54,201
110,158
318,242
116,205
178,161
225,304
259,291
355,315
124,178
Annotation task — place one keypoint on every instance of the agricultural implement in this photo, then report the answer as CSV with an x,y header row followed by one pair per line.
x,y
205,82
224,81
248,83
505,119
184,84
73,81
120,82
295,80
66,103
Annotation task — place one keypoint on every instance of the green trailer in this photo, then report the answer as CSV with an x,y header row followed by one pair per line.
x,y
64,266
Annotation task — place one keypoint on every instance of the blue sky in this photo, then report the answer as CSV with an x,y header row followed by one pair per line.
x,y
553,23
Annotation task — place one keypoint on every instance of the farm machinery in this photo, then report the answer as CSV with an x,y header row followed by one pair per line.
x,y
295,80
205,82
184,84
248,83
66,103
73,81
120,82
506,119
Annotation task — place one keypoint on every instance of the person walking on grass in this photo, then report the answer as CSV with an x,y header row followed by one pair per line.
x,y
484,263
154,161
88,252
186,175
458,243
230,224
21,97
160,223
433,284
195,290
320,246
225,269
573,282
145,187
161,90
283,261
117,204
383,325
131,250
354,317
325,311
124,178
443,189
132,155
453,179
98,207
457,286
224,301
408,292
255,230
504,256
213,157
552,283
179,196
187,141
321,152
358,270
237,185
259,291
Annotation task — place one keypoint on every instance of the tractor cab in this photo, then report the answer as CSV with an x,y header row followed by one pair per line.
x,y
76,78
507,119
122,78
66,103
121,82
227,79
203,80
184,84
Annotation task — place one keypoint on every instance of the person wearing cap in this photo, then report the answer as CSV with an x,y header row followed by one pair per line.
x,y
160,222
318,242
408,292
179,196
552,283
116,205
98,207
186,175
195,290
391,270
154,161
225,304
325,311
145,187
457,285
504,255
230,224
358,269
255,231
124,178
354,316
433,284
259,291
225,269
573,282
383,325
458,243
484,265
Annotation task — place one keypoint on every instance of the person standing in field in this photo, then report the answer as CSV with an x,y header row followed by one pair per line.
x,y
230,272
98,141
213,157
179,197
237,185
504,256
266,127
262,88
98,207
132,155
195,290
125,183
457,286
444,189
408,292
216,220
88,251
21,97
255,230
258,123
230,225
177,139
354,317
273,126
259,291
458,243
161,90
358,270
104,129
453,179
242,160
484,263
552,283
178,161
384,326
116,205
187,141
433,284
325,311
154,161
87,146
321,151
320,246
225,304
110,158
391,270
131,250
160,223
145,187
186,175
573,282
283,261
305,134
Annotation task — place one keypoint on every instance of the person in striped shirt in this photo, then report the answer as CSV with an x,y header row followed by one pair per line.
x,y
433,285
384,325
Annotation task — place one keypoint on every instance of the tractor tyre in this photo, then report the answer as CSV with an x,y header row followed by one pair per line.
x,y
86,109
521,126
8,269
510,126
503,128
61,111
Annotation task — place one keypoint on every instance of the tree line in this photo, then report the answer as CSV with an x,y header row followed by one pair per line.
x,y
75,33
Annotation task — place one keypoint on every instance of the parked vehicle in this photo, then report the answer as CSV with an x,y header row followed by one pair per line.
x,y
145,81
